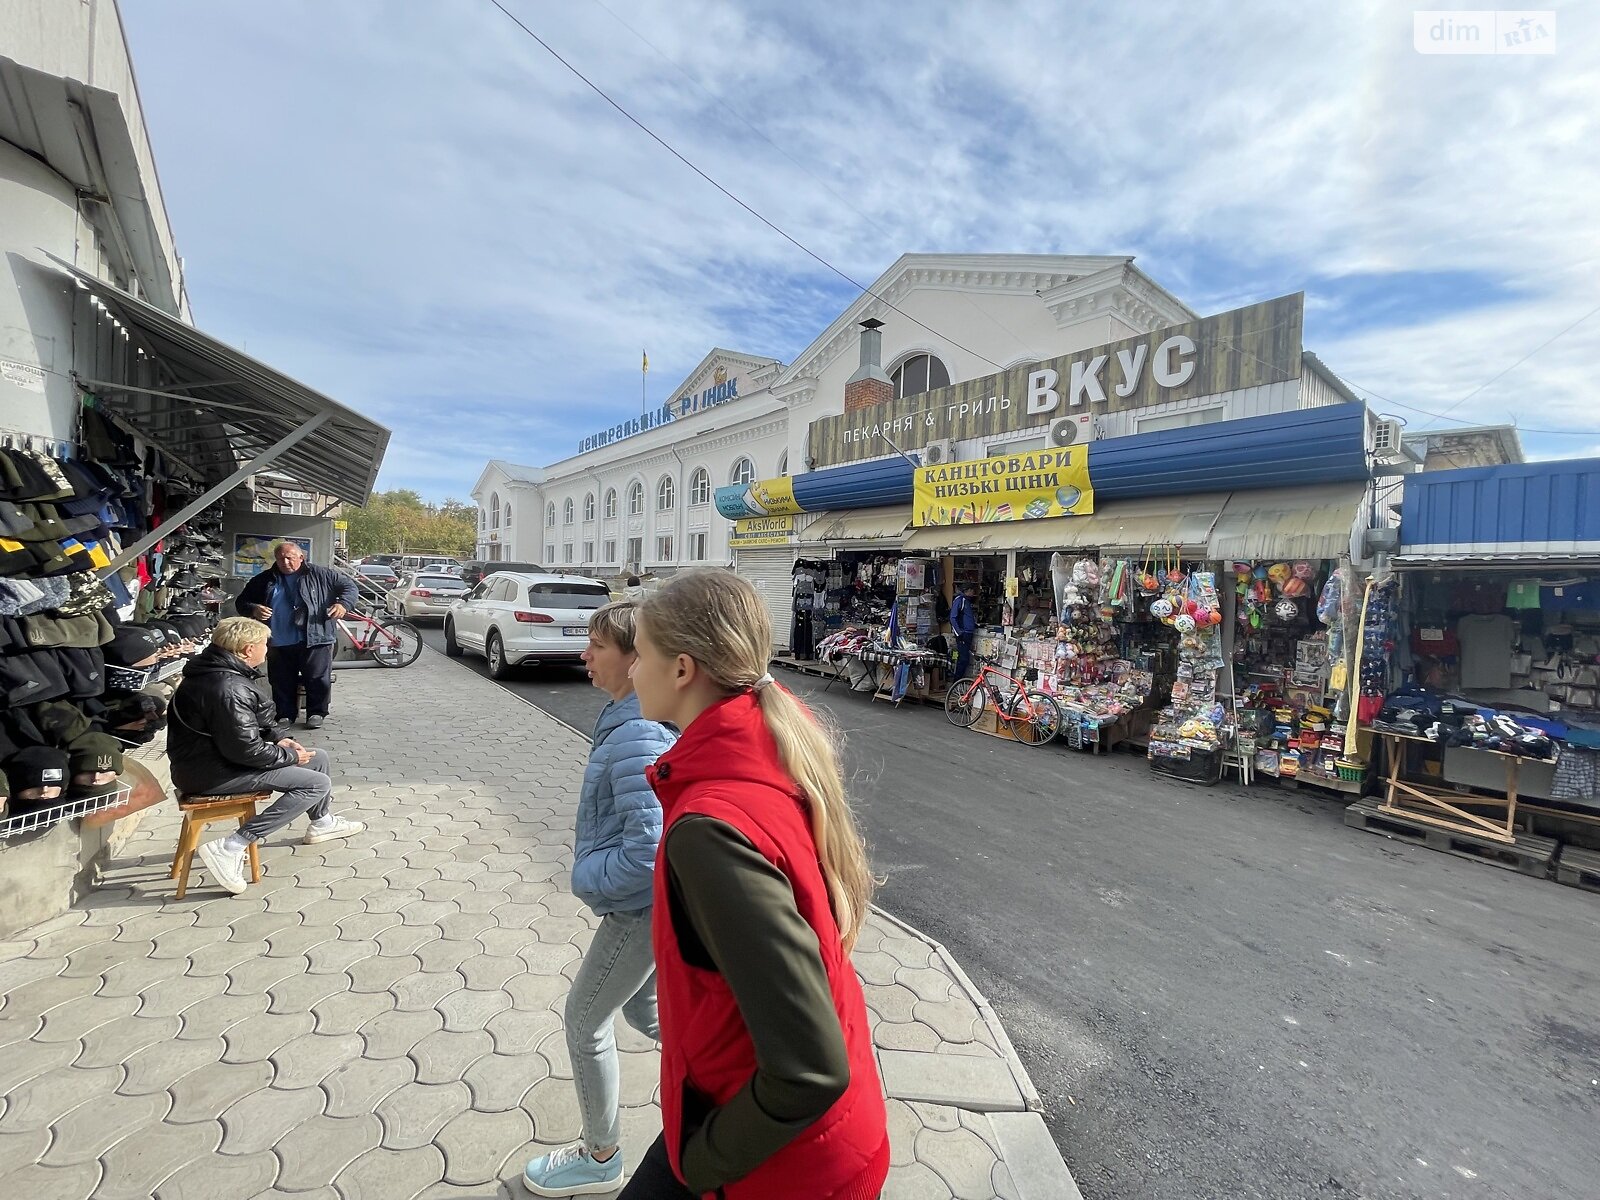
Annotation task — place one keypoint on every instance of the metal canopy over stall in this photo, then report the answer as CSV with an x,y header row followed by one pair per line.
x,y
255,405
1310,522
863,525
1509,517
1126,525
227,416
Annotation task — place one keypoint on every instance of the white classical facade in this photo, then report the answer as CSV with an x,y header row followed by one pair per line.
x,y
638,496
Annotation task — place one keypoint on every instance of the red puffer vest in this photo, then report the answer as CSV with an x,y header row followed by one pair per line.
x,y
726,766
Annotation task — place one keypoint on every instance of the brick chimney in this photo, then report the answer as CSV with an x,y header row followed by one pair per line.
x,y
869,385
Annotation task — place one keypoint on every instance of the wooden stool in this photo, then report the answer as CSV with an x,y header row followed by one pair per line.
x,y
200,811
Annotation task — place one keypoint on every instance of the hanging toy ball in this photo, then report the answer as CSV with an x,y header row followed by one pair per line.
x,y
1305,570
1201,615
1216,616
1162,609
1192,607
1184,623
1286,610
1260,572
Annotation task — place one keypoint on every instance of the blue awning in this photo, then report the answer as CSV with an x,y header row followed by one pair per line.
x,y
1308,446
1516,514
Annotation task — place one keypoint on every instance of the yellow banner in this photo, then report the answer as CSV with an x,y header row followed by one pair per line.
x,y
1012,487
762,531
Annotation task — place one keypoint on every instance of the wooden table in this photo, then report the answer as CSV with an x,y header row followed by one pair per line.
x,y
1433,805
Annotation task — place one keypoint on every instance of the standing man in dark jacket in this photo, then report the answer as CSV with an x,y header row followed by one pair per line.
x,y
301,604
964,623
222,740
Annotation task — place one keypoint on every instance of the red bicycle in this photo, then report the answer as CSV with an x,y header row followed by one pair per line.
x,y
1033,717
390,642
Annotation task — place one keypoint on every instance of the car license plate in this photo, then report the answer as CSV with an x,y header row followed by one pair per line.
x,y
576,631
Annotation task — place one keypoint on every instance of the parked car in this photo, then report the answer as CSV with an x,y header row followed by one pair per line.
x,y
371,576
517,617
385,560
429,562
425,594
473,572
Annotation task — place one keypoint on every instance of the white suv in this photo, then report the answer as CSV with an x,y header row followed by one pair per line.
x,y
513,617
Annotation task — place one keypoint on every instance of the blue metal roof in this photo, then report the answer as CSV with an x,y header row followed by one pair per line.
x,y
1313,445
1520,512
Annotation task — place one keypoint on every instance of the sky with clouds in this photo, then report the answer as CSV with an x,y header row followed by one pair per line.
x,y
412,207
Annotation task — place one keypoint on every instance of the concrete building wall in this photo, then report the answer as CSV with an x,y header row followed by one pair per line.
x,y
40,213
84,40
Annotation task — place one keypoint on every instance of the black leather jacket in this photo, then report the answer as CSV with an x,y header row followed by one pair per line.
x,y
221,726
320,589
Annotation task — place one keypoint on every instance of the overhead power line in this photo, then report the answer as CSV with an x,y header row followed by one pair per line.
x,y
784,234
1514,366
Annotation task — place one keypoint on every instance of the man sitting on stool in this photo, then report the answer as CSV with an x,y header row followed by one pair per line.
x,y
222,741
302,604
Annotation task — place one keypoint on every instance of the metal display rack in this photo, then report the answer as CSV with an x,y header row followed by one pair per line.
x,y
44,817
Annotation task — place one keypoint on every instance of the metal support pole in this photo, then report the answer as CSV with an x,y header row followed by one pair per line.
x,y
259,463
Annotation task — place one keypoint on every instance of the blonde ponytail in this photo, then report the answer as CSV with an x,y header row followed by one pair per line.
x,y
718,620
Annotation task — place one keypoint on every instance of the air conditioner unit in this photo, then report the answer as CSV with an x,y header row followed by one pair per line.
x,y
1386,439
1070,431
937,454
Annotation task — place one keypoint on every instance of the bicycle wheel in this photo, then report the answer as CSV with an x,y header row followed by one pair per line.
x,y
964,702
1035,718
395,643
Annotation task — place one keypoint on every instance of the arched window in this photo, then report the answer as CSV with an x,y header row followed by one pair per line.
x,y
550,514
483,518
508,514
666,494
611,502
566,512
744,472
700,486
783,463
635,499
588,506
919,373
494,510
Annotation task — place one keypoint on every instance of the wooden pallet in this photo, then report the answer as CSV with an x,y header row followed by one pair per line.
x,y
1528,855
1579,868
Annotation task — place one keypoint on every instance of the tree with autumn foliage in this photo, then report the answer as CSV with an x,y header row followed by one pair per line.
x,y
401,522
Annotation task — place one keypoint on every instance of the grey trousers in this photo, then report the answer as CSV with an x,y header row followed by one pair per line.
x,y
304,790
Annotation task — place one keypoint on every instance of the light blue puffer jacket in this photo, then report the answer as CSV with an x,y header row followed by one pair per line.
x,y
619,817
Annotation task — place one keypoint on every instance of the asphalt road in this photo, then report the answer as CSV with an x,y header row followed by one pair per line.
x,y
1223,993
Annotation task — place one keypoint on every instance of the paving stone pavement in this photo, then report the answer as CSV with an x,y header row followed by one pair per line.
x,y
381,1017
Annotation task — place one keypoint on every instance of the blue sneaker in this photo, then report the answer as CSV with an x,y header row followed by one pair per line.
x,y
570,1171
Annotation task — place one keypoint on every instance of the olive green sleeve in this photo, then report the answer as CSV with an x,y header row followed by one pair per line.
x,y
740,910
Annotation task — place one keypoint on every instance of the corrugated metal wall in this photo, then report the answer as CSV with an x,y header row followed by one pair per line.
x,y
1236,406
1537,509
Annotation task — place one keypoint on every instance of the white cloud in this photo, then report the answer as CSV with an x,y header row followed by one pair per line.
x,y
414,208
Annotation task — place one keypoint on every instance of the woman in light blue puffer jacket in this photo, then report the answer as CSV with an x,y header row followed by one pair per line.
x,y
619,828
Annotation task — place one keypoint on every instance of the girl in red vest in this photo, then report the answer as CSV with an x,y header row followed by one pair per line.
x,y
769,1088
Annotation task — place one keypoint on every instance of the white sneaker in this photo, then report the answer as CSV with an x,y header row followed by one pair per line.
x,y
226,869
339,827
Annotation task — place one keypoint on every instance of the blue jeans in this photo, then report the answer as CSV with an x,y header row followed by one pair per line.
x,y
618,974
963,654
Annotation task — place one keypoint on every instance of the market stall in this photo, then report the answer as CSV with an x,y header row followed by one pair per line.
x,y
1484,689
